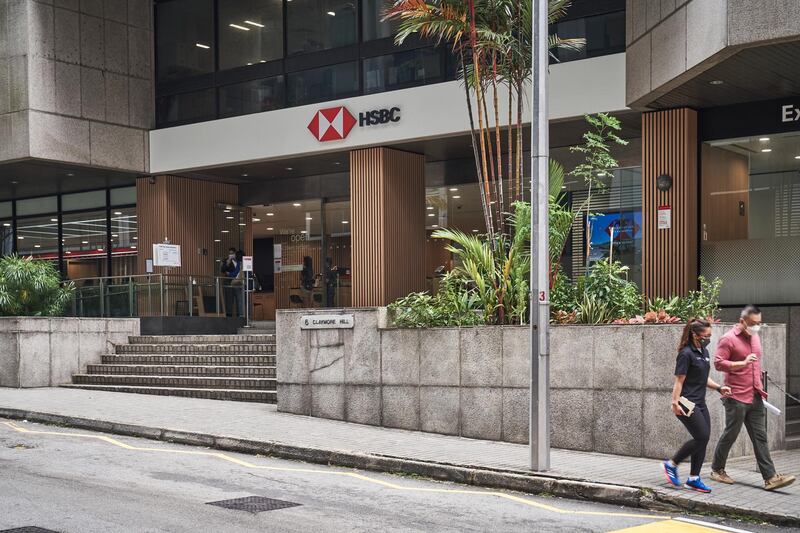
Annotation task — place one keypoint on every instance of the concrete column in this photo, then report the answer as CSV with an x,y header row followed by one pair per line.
x,y
387,195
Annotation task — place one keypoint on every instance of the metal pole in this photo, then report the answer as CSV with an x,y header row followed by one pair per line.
x,y
161,292
247,299
189,295
539,302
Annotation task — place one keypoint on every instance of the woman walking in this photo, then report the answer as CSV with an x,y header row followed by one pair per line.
x,y
691,381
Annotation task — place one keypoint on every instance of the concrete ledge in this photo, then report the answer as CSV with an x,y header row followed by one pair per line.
x,y
578,489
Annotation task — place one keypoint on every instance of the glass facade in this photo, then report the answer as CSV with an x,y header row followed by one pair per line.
x,y
223,58
87,234
750,218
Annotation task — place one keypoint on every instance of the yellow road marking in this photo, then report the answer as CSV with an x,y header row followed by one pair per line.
x,y
355,475
667,526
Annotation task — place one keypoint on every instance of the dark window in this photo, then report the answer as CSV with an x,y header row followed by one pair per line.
x,y
184,39
186,107
404,69
372,12
250,32
251,97
326,83
604,34
314,25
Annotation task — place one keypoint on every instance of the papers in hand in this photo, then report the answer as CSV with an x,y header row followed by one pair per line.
x,y
686,405
772,409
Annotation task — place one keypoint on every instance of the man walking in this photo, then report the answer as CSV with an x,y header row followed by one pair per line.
x,y
739,357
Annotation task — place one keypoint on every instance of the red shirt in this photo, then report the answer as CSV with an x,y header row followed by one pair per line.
x,y
744,382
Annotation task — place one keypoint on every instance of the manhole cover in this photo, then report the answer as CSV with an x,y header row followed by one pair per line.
x,y
28,529
253,504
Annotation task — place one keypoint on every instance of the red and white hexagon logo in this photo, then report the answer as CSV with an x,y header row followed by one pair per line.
x,y
332,124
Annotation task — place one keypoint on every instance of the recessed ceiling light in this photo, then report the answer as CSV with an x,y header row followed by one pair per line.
x,y
345,221
309,218
456,197
716,82
270,214
7,225
563,186
797,157
67,252
225,231
14,182
242,224
430,208
336,163
256,220
99,249
453,189
226,211
303,232
474,231
114,235
133,246
229,218
431,214
766,150
37,245
20,238
297,205
270,229
764,139
136,238
84,242
331,13
256,24
70,174
117,212
435,226
263,61
289,168
217,240
201,45
245,175
243,28
53,220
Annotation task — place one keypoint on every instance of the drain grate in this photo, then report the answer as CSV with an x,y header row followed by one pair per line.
x,y
28,529
253,504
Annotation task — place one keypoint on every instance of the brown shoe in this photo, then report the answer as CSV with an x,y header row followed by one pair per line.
x,y
777,481
722,477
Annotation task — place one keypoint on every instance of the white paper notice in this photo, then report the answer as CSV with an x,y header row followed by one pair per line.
x,y
664,217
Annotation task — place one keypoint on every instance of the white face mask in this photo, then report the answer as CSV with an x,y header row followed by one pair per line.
x,y
752,330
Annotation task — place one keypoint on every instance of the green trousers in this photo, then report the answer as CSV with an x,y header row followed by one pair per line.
x,y
754,418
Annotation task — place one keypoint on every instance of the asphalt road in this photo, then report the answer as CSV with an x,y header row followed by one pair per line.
x,y
77,481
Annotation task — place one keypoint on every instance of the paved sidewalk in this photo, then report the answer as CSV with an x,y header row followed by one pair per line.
x,y
262,423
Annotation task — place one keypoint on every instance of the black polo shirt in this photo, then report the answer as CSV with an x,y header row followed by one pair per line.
x,y
695,364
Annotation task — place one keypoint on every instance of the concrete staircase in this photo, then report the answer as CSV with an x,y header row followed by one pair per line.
x,y
792,425
221,367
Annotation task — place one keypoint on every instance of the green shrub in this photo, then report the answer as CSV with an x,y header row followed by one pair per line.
x,y
456,304
608,282
32,288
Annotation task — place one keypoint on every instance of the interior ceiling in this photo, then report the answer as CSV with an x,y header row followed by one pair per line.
x,y
28,178
751,75
562,134
772,153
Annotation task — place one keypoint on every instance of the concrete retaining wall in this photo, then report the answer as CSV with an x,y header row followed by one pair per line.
x,y
45,352
610,385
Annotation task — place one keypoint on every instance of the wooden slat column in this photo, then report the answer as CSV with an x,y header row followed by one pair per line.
x,y
669,146
387,199
182,210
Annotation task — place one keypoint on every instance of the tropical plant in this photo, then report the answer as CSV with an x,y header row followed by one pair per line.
x,y
32,288
592,309
493,41
455,304
608,281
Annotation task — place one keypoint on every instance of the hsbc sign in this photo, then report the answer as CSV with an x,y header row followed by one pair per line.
x,y
336,123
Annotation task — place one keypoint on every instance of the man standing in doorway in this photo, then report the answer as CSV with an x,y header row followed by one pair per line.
x,y
739,357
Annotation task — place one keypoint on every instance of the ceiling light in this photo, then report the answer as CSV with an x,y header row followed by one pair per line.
x,y
297,205
229,218
243,28
345,221
309,218
435,226
336,163
256,220
263,61
249,64
67,252
216,240
256,24
114,235
227,211
716,82
14,182
84,242
431,214
20,238
766,150
764,139
7,225
563,186
304,232
224,231
242,224
133,246
244,175
474,231
796,157
454,189
201,45
430,208
70,174
117,212
136,238
270,214
37,245
99,249
331,13
289,168
270,229
53,220
456,197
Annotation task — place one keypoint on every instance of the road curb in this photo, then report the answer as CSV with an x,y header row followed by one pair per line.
x,y
576,489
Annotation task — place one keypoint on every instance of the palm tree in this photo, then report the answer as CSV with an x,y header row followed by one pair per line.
x,y
493,41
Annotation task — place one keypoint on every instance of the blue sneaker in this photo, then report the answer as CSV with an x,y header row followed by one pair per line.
x,y
698,485
672,474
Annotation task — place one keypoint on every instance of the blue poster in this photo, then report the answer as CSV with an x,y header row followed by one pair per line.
x,y
625,226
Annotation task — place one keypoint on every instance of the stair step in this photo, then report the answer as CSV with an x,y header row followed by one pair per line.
x,y
183,382
191,359
246,338
262,371
199,349
242,395
792,428
793,443
793,412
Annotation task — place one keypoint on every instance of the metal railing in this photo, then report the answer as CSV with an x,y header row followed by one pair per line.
x,y
157,295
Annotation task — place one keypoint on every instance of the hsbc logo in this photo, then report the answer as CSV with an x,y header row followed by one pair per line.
x,y
336,123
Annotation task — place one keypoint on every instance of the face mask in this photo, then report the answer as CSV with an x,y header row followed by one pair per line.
x,y
752,330
704,341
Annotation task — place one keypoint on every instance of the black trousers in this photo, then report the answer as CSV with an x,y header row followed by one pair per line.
x,y
699,426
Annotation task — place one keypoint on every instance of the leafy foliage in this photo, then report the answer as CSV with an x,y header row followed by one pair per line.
x,y
596,148
31,288
454,304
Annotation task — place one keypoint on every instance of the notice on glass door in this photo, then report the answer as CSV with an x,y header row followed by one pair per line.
x,y
665,217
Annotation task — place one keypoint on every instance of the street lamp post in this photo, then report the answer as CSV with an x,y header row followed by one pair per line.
x,y
539,300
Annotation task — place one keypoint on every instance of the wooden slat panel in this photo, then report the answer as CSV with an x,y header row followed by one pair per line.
x,y
387,191
669,146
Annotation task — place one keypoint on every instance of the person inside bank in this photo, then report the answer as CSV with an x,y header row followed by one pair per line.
x,y
692,368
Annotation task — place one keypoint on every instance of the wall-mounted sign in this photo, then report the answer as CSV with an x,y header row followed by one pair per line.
x,y
664,217
790,113
326,322
247,263
167,255
277,265
336,123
